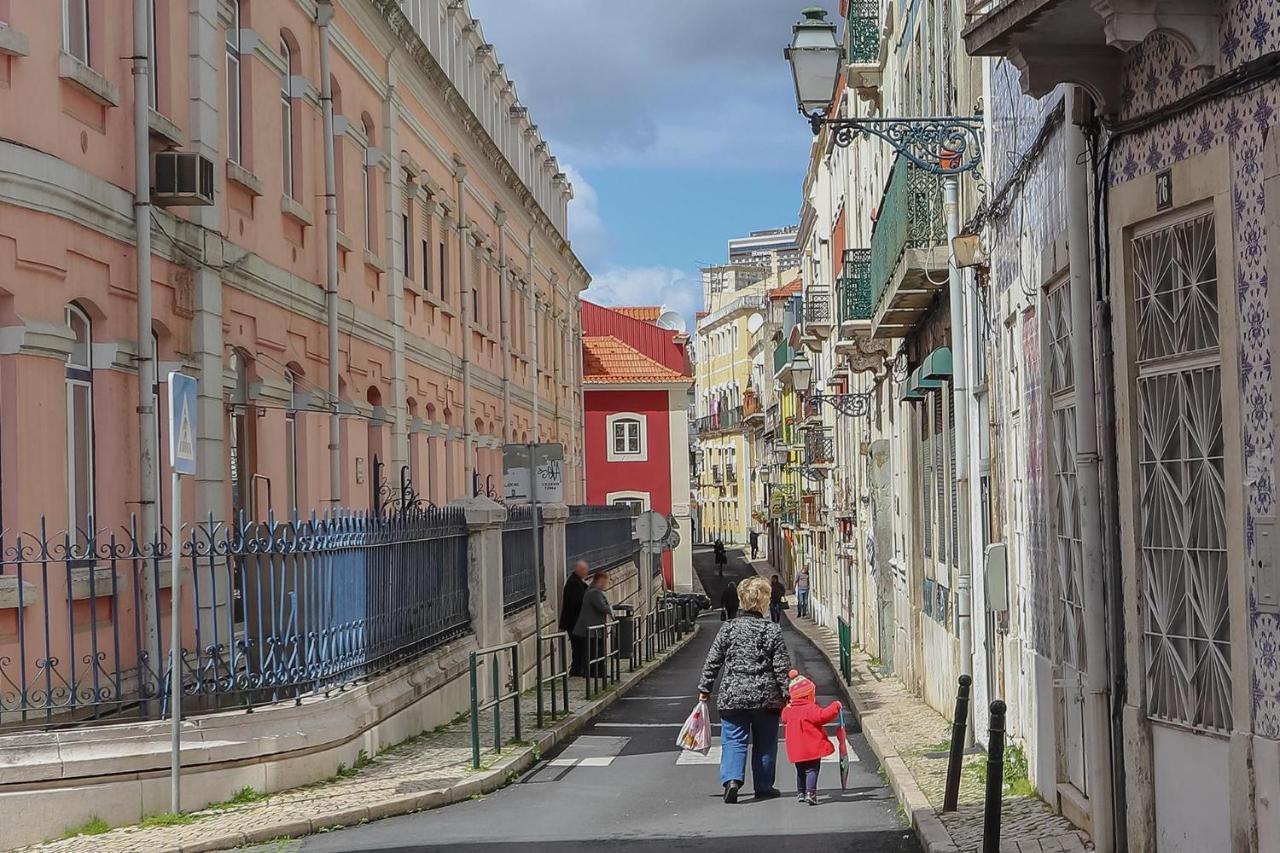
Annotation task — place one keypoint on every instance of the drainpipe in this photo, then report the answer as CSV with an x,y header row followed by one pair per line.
x,y
146,351
1097,697
504,321
960,401
464,231
324,17
533,336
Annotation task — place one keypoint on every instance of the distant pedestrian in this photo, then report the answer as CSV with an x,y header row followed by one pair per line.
x,y
575,587
595,612
802,592
752,663
777,595
729,602
807,741
721,557
754,535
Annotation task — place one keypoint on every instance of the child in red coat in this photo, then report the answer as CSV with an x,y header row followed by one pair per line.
x,y
807,741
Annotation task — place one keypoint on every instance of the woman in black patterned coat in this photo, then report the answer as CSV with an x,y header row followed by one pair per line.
x,y
752,662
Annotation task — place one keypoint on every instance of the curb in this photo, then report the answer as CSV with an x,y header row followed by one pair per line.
x,y
496,777
924,818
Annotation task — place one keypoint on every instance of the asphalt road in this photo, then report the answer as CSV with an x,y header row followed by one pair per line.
x,y
624,785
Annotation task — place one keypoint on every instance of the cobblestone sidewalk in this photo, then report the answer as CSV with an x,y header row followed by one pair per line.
x,y
908,734
431,770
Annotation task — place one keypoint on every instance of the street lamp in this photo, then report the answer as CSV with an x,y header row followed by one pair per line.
x,y
801,372
782,453
815,57
943,145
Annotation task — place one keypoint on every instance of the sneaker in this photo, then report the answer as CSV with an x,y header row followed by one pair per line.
x,y
770,794
811,799
731,792
802,799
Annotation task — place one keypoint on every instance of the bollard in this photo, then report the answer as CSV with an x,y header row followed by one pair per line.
x,y
995,780
959,724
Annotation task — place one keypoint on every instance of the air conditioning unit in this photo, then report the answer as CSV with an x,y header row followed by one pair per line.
x,y
181,179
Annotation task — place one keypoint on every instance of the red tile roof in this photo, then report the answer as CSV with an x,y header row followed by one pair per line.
x,y
654,342
606,360
647,313
786,290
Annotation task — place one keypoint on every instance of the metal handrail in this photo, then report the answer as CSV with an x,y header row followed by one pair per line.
x,y
555,642
605,669
497,699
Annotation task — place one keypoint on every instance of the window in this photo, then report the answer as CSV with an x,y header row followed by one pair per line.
x,y
235,131
444,267
406,242
370,202
1181,486
154,94
75,29
338,138
286,120
291,442
627,439
638,501
80,450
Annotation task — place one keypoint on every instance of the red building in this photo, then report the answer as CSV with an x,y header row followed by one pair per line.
x,y
636,381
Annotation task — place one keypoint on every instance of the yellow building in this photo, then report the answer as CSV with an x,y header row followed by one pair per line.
x,y
724,393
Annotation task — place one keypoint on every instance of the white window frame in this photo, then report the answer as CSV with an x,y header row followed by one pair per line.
x,y
611,422
286,121
78,376
235,89
627,497
79,50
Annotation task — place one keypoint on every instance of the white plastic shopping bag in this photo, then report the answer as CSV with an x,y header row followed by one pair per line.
x,y
695,734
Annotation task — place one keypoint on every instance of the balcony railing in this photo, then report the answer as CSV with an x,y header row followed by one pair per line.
x,y
751,405
716,475
722,421
854,287
781,357
819,447
817,308
731,473
911,217
864,31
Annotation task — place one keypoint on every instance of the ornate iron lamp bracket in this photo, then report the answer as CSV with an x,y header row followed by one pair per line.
x,y
850,405
943,145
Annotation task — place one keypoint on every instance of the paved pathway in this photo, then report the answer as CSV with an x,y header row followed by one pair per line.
x,y
623,784
427,771
892,716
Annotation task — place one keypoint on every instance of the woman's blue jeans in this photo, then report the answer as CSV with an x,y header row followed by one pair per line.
x,y
761,728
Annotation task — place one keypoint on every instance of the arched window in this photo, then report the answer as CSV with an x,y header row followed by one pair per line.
x,y
235,88
338,138
80,450
370,201
289,120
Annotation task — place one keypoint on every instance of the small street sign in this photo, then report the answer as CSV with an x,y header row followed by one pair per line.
x,y
182,423
548,472
651,527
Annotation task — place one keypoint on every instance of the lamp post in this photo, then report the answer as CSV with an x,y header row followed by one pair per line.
x,y
851,405
943,145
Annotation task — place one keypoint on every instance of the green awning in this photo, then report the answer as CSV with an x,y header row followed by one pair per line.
x,y
918,387
937,364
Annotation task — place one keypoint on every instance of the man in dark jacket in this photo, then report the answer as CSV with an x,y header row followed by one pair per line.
x,y
575,588
594,613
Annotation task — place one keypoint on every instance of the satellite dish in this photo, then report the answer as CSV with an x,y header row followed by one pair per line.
x,y
754,322
672,320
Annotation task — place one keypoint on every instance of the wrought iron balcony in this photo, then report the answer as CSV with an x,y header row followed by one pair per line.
x,y
853,290
717,476
865,47
819,447
817,312
909,255
752,411
731,473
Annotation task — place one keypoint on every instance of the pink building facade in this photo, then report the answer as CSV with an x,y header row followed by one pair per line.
x,y
455,280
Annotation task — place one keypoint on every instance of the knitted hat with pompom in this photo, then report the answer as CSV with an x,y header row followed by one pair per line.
x,y
799,686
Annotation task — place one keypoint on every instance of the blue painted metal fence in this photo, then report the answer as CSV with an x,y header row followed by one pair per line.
x,y
272,611
604,536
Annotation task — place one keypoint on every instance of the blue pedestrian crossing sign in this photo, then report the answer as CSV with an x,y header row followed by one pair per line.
x,y
182,423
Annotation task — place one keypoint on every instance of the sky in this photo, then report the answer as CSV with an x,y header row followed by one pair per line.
x,y
675,120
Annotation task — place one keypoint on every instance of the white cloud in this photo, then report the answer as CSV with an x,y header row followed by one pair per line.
x,y
587,231
677,290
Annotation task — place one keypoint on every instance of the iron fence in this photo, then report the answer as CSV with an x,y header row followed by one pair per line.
x,y
911,217
521,584
271,611
604,536
863,30
817,307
